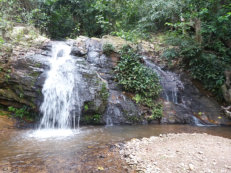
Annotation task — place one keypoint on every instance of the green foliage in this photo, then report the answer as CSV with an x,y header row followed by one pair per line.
x,y
108,49
131,35
1,41
104,92
204,66
86,107
14,10
137,98
208,69
170,54
138,79
156,13
92,119
135,77
157,112
19,113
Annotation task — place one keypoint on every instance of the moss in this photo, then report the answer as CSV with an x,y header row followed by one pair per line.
x,y
4,113
86,107
19,90
35,74
104,92
38,65
11,95
88,76
134,119
108,49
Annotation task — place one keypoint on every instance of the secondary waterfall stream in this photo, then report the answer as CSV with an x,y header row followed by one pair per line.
x,y
169,81
60,91
175,92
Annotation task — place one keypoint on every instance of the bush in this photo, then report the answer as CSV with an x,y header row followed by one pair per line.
x,y
108,49
157,112
135,77
204,66
138,79
19,113
209,70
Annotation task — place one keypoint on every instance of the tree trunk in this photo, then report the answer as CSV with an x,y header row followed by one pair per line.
x,y
198,37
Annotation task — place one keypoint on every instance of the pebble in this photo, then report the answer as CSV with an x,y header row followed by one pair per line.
x,y
195,159
200,152
191,167
228,166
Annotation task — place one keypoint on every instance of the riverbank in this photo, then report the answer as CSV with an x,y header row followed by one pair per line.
x,y
179,153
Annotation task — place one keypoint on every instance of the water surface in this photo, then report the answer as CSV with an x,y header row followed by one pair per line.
x,y
81,150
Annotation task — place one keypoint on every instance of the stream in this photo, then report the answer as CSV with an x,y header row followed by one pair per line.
x,y
82,150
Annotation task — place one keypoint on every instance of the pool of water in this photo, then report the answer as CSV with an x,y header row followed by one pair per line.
x,y
84,150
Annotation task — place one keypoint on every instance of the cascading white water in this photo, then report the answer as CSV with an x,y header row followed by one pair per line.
x,y
60,91
169,81
172,86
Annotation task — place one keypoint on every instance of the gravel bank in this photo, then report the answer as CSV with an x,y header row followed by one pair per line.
x,y
179,153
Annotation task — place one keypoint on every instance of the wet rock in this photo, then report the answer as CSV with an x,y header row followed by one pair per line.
x,y
60,53
76,51
102,99
18,84
117,108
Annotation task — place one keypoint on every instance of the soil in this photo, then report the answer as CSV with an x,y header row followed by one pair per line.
x,y
179,153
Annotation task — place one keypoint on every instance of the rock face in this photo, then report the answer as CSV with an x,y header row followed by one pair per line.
x,y
101,99
22,79
107,104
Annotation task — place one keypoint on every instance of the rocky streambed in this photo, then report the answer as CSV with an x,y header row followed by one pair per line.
x,y
97,149
172,153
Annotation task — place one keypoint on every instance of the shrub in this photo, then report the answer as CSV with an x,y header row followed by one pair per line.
x,y
157,112
135,77
204,66
19,113
209,70
93,119
108,49
138,79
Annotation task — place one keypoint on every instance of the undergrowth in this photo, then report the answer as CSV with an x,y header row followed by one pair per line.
x,y
138,79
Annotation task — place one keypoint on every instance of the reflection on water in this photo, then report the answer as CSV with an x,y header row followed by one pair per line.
x,y
83,150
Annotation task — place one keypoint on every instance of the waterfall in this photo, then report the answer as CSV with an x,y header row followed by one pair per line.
x,y
61,98
174,91
169,81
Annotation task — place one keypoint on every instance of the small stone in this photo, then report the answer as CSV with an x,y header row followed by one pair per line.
x,y
154,163
214,162
200,152
182,164
228,166
191,167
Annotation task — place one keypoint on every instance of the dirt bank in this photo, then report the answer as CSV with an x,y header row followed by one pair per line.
x,y
173,153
